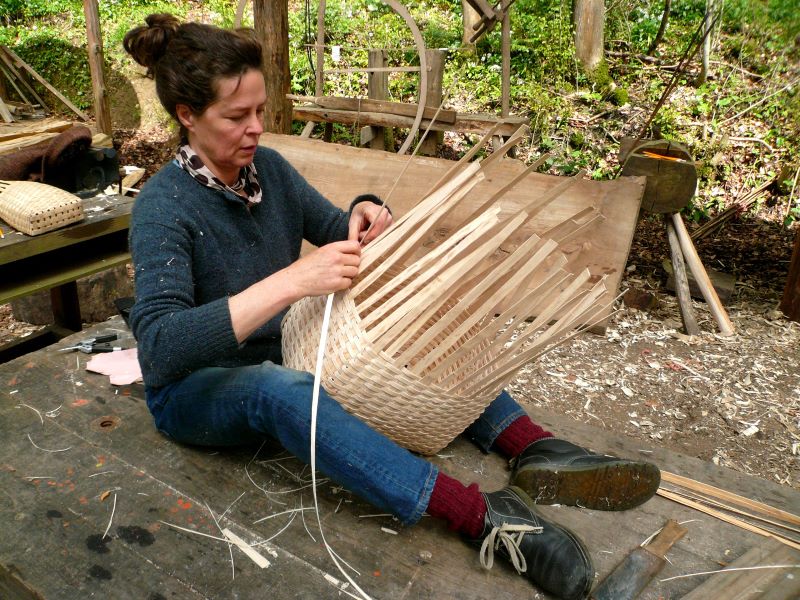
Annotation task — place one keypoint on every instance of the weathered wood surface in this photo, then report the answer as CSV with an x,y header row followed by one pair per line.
x,y
342,172
53,519
671,174
466,123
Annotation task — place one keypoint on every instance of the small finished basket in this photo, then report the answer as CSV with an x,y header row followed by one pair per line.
x,y
35,208
436,325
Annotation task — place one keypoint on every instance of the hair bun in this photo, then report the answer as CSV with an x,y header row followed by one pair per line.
x,y
148,43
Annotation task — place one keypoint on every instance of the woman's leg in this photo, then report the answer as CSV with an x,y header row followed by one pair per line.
x,y
233,406
218,406
506,427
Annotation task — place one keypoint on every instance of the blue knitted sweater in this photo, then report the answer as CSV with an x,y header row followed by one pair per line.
x,y
193,247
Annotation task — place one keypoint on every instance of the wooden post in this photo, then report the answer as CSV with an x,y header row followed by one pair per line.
x,y
700,275
681,281
94,47
271,24
319,87
505,43
433,96
378,89
3,89
790,303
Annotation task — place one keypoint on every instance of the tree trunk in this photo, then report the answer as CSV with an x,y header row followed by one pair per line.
x,y
94,46
470,18
271,23
706,51
589,18
790,304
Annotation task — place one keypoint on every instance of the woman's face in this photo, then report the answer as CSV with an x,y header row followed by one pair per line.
x,y
225,135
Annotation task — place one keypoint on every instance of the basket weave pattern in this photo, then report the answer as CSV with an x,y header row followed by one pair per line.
x,y
440,319
34,208
410,409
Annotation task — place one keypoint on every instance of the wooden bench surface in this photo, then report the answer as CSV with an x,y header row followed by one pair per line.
x,y
89,456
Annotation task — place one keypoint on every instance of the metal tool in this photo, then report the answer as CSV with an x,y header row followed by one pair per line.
x,y
94,344
636,570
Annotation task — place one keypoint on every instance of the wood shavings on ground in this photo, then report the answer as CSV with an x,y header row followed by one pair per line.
x,y
734,401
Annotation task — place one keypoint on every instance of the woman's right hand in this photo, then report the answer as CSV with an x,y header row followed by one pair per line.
x,y
328,269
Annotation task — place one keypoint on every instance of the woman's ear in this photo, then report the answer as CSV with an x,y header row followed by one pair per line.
x,y
185,116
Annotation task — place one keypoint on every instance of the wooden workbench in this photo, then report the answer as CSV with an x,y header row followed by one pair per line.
x,y
56,259
98,460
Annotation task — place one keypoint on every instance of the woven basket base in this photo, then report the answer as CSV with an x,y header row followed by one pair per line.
x,y
392,400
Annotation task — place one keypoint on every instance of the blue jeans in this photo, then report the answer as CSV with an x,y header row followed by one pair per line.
x,y
218,406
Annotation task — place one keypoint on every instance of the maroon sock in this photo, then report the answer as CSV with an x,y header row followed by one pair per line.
x,y
461,506
519,435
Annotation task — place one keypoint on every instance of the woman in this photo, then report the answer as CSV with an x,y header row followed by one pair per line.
x,y
215,239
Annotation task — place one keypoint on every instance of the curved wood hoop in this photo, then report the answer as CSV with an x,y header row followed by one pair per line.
x,y
402,11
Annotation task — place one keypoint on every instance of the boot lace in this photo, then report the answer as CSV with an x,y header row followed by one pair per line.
x,y
510,536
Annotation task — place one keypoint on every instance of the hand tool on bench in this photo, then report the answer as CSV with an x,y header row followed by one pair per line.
x,y
94,344
637,569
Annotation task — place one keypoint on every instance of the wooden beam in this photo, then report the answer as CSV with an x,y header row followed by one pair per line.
x,y
94,47
433,98
464,123
377,90
16,75
377,106
45,83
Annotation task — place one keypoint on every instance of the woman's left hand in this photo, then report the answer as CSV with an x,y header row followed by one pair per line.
x,y
365,214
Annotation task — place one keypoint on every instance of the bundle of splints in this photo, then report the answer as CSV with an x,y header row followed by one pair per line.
x,y
439,321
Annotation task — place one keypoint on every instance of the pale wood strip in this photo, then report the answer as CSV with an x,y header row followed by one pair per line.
x,y
478,227
464,159
727,496
507,368
418,219
424,270
429,303
515,313
727,518
436,294
479,303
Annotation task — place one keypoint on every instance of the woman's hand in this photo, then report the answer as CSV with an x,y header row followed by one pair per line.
x,y
325,270
365,214
321,272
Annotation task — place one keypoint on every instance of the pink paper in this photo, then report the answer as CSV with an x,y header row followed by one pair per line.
x,y
121,366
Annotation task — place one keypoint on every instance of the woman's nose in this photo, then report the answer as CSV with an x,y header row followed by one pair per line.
x,y
255,124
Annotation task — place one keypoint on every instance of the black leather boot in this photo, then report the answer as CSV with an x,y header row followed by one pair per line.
x,y
549,555
553,471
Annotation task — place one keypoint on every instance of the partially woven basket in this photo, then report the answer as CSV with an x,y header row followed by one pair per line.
x,y
35,208
426,338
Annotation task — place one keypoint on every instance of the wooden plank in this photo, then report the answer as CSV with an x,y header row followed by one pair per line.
x,y
377,105
343,172
44,82
53,527
18,130
464,123
763,582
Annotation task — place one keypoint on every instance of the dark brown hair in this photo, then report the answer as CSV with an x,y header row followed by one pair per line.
x,y
187,60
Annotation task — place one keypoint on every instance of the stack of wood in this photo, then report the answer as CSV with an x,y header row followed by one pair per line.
x,y
439,321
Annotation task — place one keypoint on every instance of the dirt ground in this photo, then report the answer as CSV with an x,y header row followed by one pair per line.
x,y
731,400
